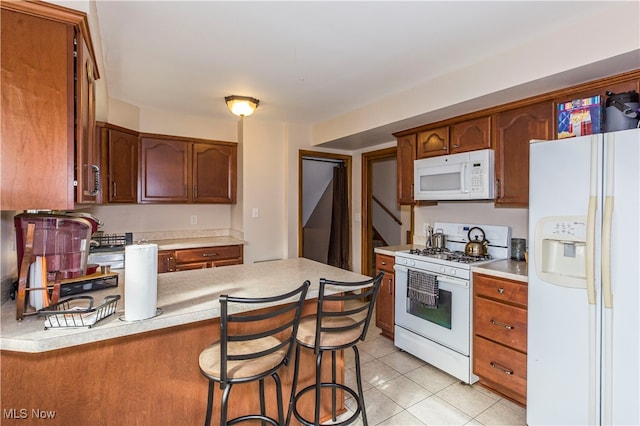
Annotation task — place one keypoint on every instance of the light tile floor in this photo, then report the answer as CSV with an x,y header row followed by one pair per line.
x,y
400,389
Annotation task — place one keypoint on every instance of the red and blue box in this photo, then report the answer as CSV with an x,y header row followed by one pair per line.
x,y
580,117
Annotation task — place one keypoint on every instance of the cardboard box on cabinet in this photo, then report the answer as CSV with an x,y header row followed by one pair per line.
x,y
580,117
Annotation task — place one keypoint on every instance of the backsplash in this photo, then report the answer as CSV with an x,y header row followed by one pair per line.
x,y
195,233
471,212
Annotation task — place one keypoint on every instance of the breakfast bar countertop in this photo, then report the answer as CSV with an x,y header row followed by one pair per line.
x,y
183,297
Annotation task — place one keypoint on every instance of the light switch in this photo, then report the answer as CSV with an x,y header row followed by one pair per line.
x,y
255,212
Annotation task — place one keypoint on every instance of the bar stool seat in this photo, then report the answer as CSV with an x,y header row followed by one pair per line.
x,y
253,345
242,369
332,331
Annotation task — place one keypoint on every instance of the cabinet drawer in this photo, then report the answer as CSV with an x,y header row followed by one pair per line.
x,y
500,365
385,263
502,323
500,289
207,254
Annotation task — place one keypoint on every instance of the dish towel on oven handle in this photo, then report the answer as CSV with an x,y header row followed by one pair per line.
x,y
423,288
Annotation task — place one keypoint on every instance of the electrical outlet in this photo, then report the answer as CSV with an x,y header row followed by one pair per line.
x,y
424,227
194,219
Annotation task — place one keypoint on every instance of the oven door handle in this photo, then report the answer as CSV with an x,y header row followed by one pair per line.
x,y
441,278
451,280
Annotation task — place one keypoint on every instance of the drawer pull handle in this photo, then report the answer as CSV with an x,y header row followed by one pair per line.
x,y
501,290
499,324
384,263
501,368
209,254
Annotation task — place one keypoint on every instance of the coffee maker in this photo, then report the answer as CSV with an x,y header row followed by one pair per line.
x,y
62,238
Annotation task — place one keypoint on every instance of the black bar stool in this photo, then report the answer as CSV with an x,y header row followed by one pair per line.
x,y
242,356
337,331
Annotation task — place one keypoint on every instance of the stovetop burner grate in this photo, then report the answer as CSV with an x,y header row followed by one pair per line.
x,y
446,254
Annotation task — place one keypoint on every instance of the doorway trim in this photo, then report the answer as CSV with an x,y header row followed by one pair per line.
x,y
328,156
368,158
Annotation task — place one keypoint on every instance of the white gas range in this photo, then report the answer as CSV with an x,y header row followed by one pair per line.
x,y
442,336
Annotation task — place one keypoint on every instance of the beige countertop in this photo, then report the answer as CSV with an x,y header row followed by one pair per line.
x,y
184,297
506,268
391,250
187,243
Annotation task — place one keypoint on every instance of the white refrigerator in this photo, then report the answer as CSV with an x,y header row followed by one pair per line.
x,y
583,355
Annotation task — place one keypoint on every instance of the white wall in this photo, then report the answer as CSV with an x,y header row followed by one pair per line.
x,y
472,212
264,188
525,68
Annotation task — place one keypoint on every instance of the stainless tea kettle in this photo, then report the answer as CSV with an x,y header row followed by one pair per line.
x,y
476,247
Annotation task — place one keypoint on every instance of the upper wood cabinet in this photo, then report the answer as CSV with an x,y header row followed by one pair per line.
x,y
46,111
433,142
182,170
514,129
470,135
119,147
507,129
406,154
88,175
164,171
214,172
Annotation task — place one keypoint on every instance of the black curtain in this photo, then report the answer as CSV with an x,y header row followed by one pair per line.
x,y
339,239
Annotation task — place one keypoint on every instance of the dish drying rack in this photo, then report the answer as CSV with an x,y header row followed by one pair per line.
x,y
72,313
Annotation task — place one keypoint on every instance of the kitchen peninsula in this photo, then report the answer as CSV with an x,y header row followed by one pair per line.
x,y
144,372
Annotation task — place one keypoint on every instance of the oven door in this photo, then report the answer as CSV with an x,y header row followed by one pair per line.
x,y
449,324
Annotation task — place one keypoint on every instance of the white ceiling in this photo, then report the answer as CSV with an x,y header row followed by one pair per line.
x,y
307,62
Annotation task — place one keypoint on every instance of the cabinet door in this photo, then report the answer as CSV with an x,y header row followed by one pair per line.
x,y
87,171
433,142
166,261
514,129
37,112
385,311
471,135
122,166
406,154
193,265
164,174
214,173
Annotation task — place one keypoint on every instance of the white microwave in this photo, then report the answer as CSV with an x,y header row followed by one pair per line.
x,y
464,176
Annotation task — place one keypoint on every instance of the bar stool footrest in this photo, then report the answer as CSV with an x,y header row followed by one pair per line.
x,y
347,389
253,417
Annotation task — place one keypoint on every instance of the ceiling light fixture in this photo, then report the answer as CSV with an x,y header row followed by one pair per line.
x,y
242,106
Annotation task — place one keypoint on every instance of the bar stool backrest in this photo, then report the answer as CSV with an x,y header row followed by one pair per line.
x,y
350,319
280,322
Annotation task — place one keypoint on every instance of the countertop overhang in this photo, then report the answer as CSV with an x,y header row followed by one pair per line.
x,y
184,297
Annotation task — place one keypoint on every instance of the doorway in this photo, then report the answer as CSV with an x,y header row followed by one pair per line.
x,y
324,217
384,222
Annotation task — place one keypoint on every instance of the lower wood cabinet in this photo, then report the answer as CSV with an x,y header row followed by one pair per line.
x,y
199,258
385,310
500,335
